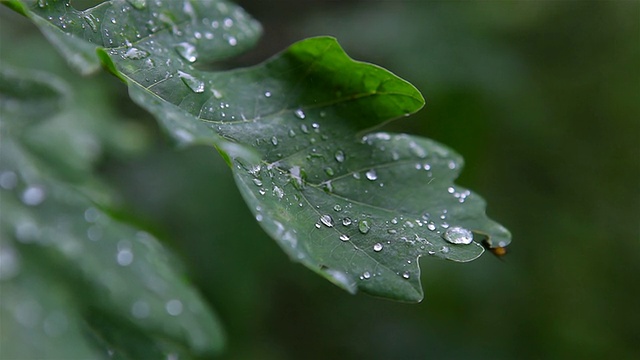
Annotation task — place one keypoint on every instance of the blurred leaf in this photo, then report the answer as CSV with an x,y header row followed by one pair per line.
x,y
360,210
72,276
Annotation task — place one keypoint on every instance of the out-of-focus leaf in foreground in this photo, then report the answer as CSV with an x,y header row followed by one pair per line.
x,y
358,207
77,283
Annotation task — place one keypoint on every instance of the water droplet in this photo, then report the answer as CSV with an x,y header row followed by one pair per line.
x,y
259,217
431,226
371,175
444,249
300,114
356,175
317,225
33,195
140,309
138,4
187,51
451,190
366,275
452,165
196,85
267,93
278,192
113,20
329,171
339,155
344,237
377,247
364,226
346,221
327,220
91,215
458,235
258,182
125,257
406,275
8,180
174,307
135,54
232,41
337,208
426,167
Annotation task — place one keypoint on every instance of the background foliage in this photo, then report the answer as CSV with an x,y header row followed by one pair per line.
x,y
542,101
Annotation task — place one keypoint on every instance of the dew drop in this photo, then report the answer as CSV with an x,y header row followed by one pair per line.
x,y
135,54
196,85
187,51
377,247
278,192
366,275
337,208
329,171
33,195
317,225
406,275
371,175
458,235
364,226
339,155
258,182
274,140
327,220
300,114
124,257
431,226
138,4
346,221
344,237
451,190
267,94
174,307
232,41
452,165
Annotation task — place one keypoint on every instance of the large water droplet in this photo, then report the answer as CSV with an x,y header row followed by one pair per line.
x,y
135,54
458,235
371,175
196,85
327,220
187,51
364,226
300,114
33,195
377,247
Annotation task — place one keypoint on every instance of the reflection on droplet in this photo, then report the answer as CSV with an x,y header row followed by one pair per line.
x,y
327,220
377,247
187,51
371,175
174,307
196,85
140,309
33,195
458,235
300,114
364,226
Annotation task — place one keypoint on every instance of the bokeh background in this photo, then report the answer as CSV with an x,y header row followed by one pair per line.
x,y
543,101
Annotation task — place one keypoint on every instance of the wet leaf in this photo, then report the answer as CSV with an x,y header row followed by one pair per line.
x,y
74,279
358,207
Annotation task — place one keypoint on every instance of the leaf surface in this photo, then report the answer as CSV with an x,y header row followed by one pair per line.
x,y
356,206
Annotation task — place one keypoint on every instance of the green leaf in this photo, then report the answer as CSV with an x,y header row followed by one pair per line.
x,y
77,282
359,208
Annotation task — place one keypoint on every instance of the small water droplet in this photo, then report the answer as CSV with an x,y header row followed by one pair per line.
x,y
267,94
317,225
452,165
33,195
278,192
124,257
339,155
451,190
232,41
327,220
138,4
337,208
329,171
135,54
377,247
187,51
458,235
300,114
431,226
364,226
406,275
371,175
258,182
113,20
274,140
174,307
346,221
344,237
196,85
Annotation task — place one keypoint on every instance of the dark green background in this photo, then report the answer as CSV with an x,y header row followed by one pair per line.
x,y
543,101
